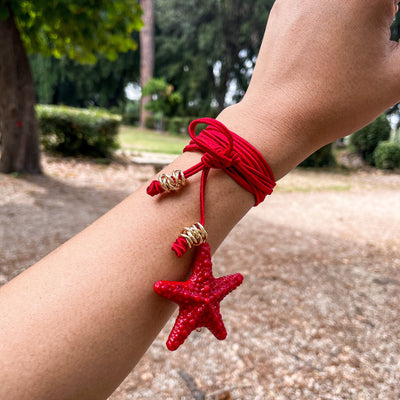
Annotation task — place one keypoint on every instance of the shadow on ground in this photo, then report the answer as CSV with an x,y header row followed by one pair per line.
x,y
317,316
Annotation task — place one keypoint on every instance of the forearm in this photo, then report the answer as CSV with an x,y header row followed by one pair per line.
x,y
81,318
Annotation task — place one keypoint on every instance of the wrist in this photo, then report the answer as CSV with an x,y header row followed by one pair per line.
x,y
272,132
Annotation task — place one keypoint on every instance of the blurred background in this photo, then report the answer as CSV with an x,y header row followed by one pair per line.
x,y
128,69
96,96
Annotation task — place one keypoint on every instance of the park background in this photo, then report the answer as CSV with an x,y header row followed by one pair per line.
x,y
321,257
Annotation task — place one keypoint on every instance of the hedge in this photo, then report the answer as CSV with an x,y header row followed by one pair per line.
x,y
321,158
74,131
131,113
387,155
367,139
178,125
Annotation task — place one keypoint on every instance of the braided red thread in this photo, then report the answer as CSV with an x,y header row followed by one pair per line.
x,y
223,149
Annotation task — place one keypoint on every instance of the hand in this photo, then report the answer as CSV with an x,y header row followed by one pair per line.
x,y
328,65
325,69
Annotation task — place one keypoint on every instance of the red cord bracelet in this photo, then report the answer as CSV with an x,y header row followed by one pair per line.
x,y
199,297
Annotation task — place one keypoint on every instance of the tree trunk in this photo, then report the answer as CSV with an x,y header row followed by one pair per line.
x,y
146,53
19,131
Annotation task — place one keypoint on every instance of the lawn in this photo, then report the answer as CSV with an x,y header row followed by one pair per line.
x,y
135,138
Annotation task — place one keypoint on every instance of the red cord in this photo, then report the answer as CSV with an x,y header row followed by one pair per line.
x,y
223,149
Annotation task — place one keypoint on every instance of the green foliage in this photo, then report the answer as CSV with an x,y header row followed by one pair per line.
x,y
387,155
45,77
178,124
396,136
202,47
321,158
164,101
131,115
367,139
65,81
200,53
78,29
175,125
150,122
72,131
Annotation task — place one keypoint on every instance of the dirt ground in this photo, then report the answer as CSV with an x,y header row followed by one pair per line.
x,y
317,316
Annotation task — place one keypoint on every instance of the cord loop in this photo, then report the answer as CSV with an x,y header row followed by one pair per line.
x,y
219,160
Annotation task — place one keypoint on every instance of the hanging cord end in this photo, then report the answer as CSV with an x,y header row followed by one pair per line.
x,y
167,183
190,237
154,188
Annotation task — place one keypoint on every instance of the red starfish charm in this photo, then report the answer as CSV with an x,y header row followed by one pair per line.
x,y
198,299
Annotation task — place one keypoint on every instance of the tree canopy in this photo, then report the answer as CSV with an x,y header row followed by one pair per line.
x,y
65,81
203,47
202,54
79,29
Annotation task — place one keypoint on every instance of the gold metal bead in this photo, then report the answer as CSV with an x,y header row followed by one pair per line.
x,y
194,235
172,182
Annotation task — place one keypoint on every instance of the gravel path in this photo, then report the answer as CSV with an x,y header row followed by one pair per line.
x,y
317,316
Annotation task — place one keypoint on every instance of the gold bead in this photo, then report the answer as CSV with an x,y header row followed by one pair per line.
x,y
172,182
194,235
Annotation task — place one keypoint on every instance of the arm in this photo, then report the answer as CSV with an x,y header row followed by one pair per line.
x,y
76,323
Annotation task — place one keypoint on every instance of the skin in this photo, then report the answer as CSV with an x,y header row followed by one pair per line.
x,y
76,323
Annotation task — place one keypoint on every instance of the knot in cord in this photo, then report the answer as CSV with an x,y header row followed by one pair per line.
x,y
225,150
219,160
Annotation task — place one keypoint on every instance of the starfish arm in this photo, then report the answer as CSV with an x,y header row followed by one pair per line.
x,y
187,321
227,284
174,291
214,322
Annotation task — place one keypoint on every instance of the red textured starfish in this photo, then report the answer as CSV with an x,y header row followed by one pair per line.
x,y
198,299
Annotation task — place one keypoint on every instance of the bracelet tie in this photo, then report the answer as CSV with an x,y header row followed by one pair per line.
x,y
222,149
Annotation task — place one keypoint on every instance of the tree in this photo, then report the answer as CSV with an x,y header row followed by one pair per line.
x,y
78,29
163,99
203,48
66,81
146,53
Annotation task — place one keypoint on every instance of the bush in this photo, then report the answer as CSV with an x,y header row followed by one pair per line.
x,y
178,124
367,139
73,131
321,158
396,137
149,122
131,114
387,155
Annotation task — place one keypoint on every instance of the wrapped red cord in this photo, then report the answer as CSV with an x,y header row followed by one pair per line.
x,y
222,149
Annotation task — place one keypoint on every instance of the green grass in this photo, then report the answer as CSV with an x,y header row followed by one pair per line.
x,y
134,138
